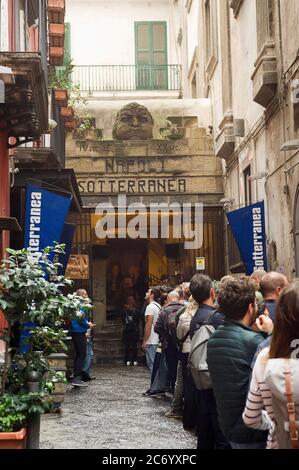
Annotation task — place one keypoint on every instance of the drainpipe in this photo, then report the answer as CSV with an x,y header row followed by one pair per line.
x,y
4,186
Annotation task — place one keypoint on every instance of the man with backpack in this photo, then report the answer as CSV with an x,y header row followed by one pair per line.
x,y
209,435
165,327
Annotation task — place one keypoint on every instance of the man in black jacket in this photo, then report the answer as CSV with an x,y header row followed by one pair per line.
x,y
230,353
208,430
165,327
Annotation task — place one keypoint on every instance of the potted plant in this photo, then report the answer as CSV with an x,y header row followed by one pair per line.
x,y
87,129
66,90
171,131
67,113
56,11
61,97
31,294
70,125
12,424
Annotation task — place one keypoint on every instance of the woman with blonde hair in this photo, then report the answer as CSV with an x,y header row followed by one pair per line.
x,y
273,399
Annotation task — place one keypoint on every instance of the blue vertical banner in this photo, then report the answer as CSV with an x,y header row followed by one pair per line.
x,y
67,239
248,228
46,212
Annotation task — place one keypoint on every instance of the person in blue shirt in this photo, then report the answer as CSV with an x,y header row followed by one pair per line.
x,y
78,330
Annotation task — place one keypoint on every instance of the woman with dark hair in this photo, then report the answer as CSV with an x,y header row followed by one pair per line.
x,y
114,284
131,318
273,400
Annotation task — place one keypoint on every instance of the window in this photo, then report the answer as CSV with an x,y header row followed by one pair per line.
x,y
247,186
151,55
210,24
208,29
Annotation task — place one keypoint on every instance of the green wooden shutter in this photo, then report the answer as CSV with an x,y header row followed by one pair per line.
x,y
151,55
67,43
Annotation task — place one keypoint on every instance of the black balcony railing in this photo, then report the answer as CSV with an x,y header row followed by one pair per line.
x,y
117,78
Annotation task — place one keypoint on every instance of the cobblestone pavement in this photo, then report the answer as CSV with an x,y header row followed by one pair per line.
x,y
111,413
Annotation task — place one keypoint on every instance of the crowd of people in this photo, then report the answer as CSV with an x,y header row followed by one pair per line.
x,y
246,391
227,352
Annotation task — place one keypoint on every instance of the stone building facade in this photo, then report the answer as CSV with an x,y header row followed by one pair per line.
x,y
150,171
243,56
172,164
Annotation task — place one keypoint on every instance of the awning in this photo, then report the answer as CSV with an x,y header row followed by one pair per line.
x,y
61,178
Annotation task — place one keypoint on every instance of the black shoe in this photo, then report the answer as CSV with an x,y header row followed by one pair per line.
x,y
154,393
85,376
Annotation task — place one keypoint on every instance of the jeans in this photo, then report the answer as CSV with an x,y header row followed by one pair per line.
x,y
172,357
159,373
209,434
177,402
150,356
189,415
249,445
79,342
130,352
89,356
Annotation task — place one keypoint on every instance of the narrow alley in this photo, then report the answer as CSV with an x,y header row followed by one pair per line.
x,y
111,413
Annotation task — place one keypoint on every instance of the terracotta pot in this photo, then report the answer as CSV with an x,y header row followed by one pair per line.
x,y
13,440
61,97
70,125
56,11
56,34
67,113
56,55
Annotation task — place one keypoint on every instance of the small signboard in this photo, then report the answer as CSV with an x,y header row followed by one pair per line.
x,y
78,267
200,264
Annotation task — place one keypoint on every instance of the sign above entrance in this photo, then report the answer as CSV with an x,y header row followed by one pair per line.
x,y
78,267
132,185
200,264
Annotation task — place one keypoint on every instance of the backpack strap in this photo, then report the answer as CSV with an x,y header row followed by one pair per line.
x,y
291,406
184,339
157,305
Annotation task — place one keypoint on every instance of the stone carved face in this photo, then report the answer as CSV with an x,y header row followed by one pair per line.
x,y
133,122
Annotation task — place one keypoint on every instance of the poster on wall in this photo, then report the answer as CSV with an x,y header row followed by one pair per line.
x,y
78,267
200,264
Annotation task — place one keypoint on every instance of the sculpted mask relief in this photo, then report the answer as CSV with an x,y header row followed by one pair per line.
x,y
133,122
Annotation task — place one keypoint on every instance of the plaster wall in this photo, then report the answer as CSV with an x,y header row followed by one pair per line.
x,y
102,32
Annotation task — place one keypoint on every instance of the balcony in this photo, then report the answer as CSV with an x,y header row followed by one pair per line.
x,y
127,78
25,111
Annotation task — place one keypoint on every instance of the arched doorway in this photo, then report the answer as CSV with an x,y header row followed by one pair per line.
x,y
296,231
